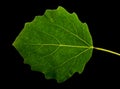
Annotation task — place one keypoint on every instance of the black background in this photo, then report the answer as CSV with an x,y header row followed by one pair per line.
x,y
103,20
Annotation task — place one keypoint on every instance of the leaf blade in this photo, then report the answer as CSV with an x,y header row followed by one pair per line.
x,y
54,45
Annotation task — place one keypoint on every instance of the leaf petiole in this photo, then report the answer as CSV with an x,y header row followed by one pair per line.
x,y
106,50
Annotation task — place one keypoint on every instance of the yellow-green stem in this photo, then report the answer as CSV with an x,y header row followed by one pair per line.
x,y
106,50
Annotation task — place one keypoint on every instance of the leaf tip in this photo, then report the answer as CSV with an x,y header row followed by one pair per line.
x,y
13,44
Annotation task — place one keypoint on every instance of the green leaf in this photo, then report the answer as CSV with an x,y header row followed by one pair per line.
x,y
57,44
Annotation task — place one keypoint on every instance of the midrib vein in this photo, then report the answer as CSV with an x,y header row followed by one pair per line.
x,y
63,45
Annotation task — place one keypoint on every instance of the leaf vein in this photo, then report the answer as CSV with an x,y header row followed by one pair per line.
x,y
62,45
70,32
71,58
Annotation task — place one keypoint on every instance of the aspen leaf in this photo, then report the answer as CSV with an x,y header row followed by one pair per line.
x,y
57,44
